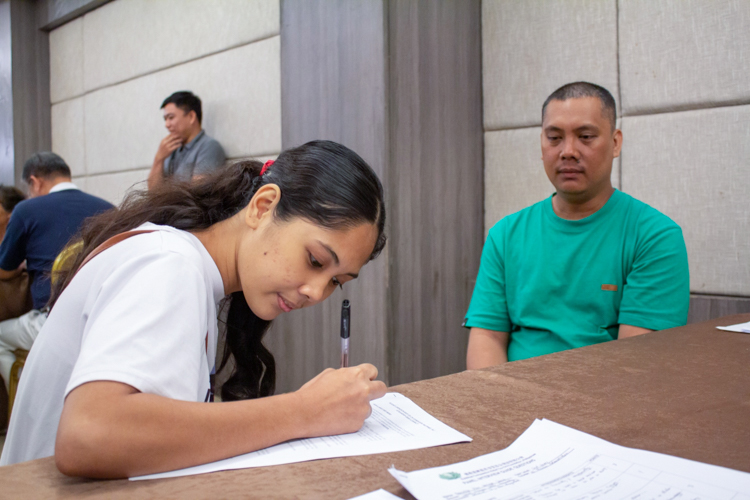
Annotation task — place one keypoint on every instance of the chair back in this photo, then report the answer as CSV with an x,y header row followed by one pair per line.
x,y
65,259
15,376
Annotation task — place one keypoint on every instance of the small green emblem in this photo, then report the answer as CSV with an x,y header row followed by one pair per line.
x,y
450,475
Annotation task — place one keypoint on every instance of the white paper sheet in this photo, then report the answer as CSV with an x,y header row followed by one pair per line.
x,y
552,462
740,327
396,424
380,494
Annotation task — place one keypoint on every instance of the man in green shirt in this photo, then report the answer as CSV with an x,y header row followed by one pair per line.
x,y
587,265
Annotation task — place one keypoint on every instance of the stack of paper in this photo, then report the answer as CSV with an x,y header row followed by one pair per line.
x,y
380,494
552,462
741,327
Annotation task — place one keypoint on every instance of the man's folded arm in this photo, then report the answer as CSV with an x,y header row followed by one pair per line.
x,y
631,331
486,348
657,293
9,275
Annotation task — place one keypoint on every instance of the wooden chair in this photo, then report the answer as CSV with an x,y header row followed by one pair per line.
x,y
15,375
62,262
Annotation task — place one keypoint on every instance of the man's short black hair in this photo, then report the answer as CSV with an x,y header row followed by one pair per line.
x,y
186,101
577,90
45,165
10,197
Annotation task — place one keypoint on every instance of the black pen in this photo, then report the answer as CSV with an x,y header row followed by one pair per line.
x,y
345,319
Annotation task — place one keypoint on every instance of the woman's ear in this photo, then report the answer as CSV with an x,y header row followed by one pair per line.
x,y
262,205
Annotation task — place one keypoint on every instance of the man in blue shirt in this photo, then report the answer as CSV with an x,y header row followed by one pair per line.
x,y
38,230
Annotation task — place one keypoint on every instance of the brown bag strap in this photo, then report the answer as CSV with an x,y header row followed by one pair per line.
x,y
114,240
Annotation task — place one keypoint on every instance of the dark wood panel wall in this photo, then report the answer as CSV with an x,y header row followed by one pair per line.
x,y
400,83
435,181
705,307
24,88
32,128
333,87
6,96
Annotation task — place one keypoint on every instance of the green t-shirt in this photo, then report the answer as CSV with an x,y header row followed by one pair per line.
x,y
556,284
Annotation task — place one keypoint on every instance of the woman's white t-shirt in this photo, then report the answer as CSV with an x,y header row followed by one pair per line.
x,y
142,313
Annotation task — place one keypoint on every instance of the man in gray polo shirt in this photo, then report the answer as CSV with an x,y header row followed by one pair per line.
x,y
187,151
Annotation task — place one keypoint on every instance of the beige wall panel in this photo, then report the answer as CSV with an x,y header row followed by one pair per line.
x,y
113,187
66,61
530,48
81,182
514,175
67,134
693,166
265,158
680,54
128,38
241,93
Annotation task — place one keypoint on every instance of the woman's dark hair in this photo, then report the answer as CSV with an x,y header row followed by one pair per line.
x,y
321,181
10,197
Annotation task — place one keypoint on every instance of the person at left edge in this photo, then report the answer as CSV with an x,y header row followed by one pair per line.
x,y
9,198
187,151
37,231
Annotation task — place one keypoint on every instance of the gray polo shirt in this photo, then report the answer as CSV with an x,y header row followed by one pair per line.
x,y
199,156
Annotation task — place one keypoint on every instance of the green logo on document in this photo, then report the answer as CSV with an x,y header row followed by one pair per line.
x,y
450,475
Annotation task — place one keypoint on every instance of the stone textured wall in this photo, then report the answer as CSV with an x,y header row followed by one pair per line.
x,y
111,69
679,70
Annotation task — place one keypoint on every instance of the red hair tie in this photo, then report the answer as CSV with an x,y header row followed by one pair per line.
x,y
265,166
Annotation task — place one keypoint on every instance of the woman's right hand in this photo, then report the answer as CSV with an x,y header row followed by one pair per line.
x,y
338,401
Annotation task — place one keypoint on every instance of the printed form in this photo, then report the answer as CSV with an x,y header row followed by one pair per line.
x,y
550,461
740,327
396,424
380,494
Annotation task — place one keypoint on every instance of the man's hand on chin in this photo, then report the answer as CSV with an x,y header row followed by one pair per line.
x,y
167,146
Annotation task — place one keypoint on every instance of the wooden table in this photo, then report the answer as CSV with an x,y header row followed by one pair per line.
x,y
684,392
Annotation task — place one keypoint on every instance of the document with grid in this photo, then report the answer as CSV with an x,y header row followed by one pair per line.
x,y
550,461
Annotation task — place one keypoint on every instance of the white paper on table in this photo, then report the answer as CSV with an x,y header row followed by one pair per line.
x,y
380,494
553,462
740,327
396,424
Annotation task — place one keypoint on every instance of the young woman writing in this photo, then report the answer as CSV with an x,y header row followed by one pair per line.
x,y
116,382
